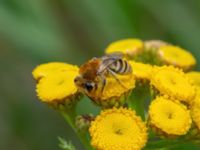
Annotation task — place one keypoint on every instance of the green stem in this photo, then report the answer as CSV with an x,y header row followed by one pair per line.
x,y
138,105
137,100
69,115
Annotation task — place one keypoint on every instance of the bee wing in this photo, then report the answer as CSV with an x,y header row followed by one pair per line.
x,y
107,60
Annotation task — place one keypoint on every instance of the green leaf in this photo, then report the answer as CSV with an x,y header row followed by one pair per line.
x,y
64,145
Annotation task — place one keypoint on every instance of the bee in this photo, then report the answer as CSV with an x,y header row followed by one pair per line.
x,y
92,75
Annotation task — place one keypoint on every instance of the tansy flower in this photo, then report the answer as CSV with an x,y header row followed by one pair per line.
x,y
118,129
174,55
170,117
194,76
57,88
52,67
141,71
129,47
172,82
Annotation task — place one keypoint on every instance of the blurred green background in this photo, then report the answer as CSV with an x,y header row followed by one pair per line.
x,y
38,31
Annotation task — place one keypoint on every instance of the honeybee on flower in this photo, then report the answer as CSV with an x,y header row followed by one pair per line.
x,y
157,71
93,74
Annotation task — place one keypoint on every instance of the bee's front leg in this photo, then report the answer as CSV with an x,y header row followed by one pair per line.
x,y
101,86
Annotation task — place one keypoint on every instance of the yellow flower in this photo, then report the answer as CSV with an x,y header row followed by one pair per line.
x,y
57,88
170,117
118,129
195,109
52,67
194,76
141,71
129,47
173,82
174,55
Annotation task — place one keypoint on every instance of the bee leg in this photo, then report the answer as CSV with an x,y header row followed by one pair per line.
x,y
103,84
114,75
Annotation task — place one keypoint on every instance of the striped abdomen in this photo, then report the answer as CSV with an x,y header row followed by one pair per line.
x,y
120,66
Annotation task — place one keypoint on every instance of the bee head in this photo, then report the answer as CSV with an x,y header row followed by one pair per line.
x,y
84,85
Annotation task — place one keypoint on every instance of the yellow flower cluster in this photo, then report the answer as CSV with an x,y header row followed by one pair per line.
x,y
118,129
171,112
168,113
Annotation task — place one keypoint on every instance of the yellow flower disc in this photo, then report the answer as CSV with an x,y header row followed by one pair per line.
x,y
52,67
170,117
177,56
118,129
141,71
194,76
195,109
129,47
57,87
173,82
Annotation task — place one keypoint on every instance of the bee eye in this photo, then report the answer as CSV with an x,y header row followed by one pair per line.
x,y
89,86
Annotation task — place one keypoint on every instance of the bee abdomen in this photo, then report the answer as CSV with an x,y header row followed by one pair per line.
x,y
121,67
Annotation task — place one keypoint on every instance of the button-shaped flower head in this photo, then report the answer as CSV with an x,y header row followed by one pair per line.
x,y
118,129
172,118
